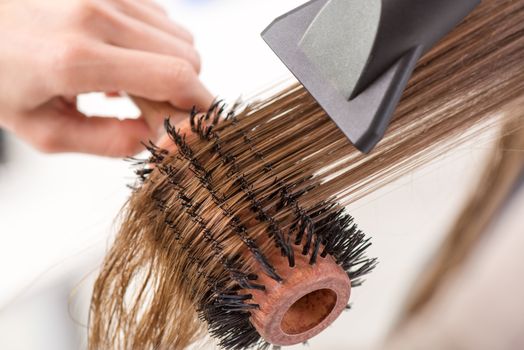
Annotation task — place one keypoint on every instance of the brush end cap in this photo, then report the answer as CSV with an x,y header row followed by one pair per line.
x,y
310,298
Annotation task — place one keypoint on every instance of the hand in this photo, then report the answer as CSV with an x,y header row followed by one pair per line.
x,y
51,51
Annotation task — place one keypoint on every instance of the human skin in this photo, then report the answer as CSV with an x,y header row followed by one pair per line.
x,y
52,51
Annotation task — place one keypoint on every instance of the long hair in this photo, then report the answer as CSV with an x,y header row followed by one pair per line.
x,y
278,158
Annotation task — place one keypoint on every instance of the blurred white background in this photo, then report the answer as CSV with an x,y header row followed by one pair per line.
x,y
57,212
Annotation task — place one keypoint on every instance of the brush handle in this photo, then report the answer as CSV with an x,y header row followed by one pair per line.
x,y
153,108
155,113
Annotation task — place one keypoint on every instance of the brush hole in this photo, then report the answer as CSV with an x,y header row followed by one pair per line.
x,y
309,311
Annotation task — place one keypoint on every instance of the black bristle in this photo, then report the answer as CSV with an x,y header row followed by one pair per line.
x,y
310,232
199,124
220,112
291,254
304,225
314,254
192,116
214,107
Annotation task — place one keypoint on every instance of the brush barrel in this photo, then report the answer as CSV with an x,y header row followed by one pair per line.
x,y
310,298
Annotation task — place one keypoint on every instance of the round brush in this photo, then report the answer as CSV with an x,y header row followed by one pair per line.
x,y
297,287
234,237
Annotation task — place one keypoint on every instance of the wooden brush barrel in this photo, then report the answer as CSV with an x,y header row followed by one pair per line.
x,y
309,298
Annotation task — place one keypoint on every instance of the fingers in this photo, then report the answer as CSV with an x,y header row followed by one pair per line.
x,y
91,67
54,130
154,6
131,24
134,56
128,32
147,11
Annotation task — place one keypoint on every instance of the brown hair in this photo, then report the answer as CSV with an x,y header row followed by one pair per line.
x,y
237,191
503,170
